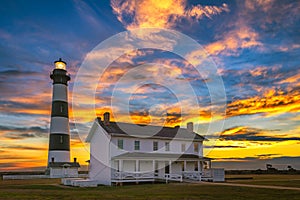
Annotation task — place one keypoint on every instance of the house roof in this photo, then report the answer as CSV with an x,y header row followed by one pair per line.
x,y
141,155
134,130
64,164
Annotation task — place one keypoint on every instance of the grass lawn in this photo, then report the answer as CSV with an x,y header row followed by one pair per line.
x,y
50,189
264,179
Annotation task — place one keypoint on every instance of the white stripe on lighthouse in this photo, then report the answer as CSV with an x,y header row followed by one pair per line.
x,y
59,125
59,156
60,92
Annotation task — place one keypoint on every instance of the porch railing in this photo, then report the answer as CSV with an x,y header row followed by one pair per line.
x,y
207,173
173,177
192,175
132,175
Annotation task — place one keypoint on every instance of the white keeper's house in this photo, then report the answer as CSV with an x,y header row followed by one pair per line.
x,y
123,152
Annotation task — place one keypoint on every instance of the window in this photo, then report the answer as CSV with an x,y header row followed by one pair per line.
x,y
183,147
137,145
61,139
196,147
155,146
167,146
120,144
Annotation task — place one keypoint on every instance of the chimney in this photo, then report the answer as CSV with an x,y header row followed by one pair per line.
x,y
106,118
52,159
190,127
75,160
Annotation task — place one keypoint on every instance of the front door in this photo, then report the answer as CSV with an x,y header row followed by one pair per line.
x,y
167,168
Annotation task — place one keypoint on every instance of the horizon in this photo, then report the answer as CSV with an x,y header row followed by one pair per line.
x,y
253,46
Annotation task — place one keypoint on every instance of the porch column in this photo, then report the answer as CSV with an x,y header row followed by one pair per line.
x,y
199,170
120,165
184,165
137,165
153,166
170,167
209,163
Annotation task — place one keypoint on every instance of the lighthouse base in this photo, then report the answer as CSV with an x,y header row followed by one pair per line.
x,y
63,169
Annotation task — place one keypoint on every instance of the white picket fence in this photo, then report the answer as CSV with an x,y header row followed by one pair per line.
x,y
23,177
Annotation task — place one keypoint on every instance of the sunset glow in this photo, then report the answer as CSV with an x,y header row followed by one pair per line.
x,y
254,44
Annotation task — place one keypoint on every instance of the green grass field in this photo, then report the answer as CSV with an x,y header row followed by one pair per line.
x,y
276,180
51,189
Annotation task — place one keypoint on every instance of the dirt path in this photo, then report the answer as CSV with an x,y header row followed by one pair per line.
x,y
254,186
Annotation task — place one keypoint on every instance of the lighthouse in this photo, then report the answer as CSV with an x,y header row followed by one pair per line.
x,y
59,164
59,138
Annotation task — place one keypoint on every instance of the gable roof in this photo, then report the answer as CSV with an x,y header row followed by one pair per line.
x,y
133,130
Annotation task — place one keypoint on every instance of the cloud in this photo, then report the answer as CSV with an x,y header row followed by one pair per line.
x,y
252,134
232,42
23,147
161,14
267,156
294,79
271,102
225,146
23,132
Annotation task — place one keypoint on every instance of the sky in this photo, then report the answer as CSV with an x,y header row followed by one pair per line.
x,y
246,89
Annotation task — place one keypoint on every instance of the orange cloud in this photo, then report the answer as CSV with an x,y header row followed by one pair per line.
x,y
240,38
161,14
271,103
292,79
265,5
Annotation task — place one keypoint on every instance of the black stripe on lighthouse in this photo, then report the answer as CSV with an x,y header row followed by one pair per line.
x,y
60,76
59,109
59,142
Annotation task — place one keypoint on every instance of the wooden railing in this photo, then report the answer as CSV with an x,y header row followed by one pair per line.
x,y
144,175
173,177
207,173
192,175
132,175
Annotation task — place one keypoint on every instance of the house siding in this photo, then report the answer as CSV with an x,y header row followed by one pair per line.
x,y
146,145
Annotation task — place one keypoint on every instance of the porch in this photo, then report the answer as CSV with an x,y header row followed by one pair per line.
x,y
150,167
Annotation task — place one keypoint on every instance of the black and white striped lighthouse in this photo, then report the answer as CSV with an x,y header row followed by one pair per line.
x,y
59,140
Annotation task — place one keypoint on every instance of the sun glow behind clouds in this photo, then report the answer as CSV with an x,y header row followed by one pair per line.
x,y
161,14
247,39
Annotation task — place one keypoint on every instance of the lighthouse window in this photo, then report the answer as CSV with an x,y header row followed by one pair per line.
x,y
61,108
61,139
